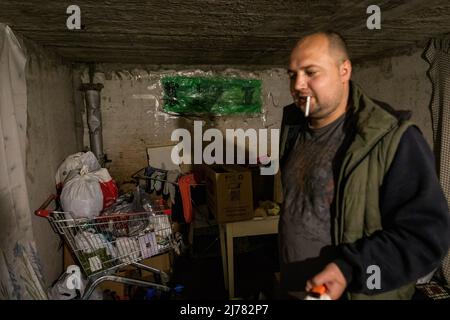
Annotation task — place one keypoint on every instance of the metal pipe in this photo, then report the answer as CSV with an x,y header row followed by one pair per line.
x,y
94,119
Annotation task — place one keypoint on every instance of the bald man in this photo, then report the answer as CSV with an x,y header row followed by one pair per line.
x,y
363,211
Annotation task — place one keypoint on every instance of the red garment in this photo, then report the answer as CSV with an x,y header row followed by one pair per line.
x,y
184,183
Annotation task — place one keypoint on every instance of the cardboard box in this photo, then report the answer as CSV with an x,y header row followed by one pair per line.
x,y
67,257
229,192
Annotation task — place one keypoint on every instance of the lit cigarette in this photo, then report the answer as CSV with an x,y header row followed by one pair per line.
x,y
308,100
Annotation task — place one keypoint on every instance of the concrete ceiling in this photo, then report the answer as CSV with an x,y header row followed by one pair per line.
x,y
220,32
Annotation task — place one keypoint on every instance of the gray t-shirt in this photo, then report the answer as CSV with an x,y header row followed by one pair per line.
x,y
308,183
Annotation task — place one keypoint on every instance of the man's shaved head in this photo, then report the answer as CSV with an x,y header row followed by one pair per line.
x,y
337,47
320,72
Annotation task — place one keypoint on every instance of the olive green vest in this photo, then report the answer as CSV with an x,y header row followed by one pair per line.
x,y
365,163
368,158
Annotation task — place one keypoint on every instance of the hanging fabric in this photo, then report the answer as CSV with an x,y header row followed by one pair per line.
x,y
438,56
20,272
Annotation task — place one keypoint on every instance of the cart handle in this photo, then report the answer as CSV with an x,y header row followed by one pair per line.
x,y
43,211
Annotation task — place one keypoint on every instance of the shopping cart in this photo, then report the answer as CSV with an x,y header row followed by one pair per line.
x,y
105,244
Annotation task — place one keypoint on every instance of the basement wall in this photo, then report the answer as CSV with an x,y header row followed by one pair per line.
x,y
51,138
402,82
131,105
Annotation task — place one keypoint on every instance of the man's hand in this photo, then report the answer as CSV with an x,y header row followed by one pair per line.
x,y
332,278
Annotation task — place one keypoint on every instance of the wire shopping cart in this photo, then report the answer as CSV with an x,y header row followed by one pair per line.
x,y
104,244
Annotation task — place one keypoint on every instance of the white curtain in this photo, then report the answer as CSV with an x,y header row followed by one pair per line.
x,y
438,56
20,271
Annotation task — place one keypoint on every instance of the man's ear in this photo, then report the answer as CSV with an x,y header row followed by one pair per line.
x,y
345,70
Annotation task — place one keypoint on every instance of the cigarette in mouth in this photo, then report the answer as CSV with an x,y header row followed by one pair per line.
x,y
308,100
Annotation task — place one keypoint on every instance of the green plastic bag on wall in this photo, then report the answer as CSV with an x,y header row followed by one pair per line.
x,y
211,95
